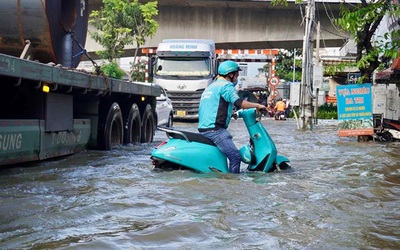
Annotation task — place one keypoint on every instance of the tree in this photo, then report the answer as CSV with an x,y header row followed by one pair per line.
x,y
122,22
138,71
284,66
145,25
362,22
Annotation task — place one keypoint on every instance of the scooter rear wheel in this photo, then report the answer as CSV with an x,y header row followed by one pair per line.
x,y
166,166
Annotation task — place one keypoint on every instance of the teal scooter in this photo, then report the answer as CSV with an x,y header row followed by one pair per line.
x,y
187,150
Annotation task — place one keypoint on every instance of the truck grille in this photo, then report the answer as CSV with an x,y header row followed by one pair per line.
x,y
186,101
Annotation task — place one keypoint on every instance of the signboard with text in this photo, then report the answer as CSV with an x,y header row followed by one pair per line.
x,y
354,105
352,78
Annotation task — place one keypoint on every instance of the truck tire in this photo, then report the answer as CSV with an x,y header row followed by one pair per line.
x,y
148,125
133,125
111,130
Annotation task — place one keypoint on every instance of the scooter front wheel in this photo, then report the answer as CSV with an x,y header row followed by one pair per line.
x,y
284,166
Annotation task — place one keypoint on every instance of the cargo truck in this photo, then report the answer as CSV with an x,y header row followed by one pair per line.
x,y
48,108
184,67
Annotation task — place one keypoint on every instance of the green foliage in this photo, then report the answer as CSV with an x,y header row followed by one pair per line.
x,y
146,25
362,21
112,70
284,66
122,22
341,67
138,71
283,2
326,111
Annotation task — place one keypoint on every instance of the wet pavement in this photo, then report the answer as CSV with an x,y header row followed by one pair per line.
x,y
340,194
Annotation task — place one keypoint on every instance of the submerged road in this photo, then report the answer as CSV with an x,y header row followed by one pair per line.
x,y
340,194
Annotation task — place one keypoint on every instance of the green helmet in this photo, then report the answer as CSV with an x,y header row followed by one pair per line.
x,y
228,67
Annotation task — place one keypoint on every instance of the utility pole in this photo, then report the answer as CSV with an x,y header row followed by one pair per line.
x,y
294,65
317,83
306,95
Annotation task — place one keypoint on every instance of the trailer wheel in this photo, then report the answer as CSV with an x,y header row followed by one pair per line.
x,y
112,129
148,125
133,125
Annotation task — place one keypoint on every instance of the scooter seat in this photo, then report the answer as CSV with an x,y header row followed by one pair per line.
x,y
194,137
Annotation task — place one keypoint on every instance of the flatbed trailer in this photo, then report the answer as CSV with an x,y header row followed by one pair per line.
x,y
48,108
81,110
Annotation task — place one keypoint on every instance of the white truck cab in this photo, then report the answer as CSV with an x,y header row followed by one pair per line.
x,y
184,68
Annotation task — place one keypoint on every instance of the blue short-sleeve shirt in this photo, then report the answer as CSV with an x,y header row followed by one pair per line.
x,y
216,105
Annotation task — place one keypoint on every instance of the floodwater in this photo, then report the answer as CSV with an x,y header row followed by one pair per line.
x,y
340,194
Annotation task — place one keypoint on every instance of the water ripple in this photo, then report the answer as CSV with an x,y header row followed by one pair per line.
x,y
340,194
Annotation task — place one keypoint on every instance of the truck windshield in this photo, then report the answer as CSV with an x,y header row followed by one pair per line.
x,y
186,67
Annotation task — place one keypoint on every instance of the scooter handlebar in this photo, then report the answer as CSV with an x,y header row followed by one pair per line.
x,y
244,112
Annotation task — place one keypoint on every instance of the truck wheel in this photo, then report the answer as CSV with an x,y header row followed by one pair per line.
x,y
112,129
148,126
133,125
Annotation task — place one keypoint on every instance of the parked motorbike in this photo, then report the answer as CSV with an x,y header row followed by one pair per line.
x,y
193,151
388,131
280,115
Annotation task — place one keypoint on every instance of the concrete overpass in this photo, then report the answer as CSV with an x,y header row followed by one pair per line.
x,y
239,24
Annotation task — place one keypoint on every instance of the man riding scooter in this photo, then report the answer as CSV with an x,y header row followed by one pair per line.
x,y
280,107
215,111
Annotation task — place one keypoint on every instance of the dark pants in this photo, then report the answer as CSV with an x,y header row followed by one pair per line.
x,y
223,139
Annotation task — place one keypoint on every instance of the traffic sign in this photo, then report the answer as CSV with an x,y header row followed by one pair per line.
x,y
274,81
